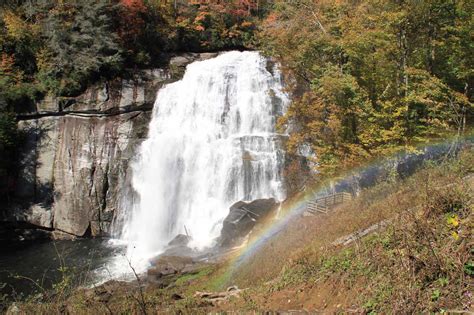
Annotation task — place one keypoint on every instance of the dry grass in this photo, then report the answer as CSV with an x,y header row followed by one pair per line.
x,y
422,262
314,234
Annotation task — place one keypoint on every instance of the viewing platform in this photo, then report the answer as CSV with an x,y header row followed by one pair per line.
x,y
324,204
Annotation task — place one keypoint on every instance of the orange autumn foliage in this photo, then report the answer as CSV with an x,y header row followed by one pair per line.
x,y
134,4
131,21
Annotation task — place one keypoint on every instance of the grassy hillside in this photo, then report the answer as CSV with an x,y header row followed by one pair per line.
x,y
419,260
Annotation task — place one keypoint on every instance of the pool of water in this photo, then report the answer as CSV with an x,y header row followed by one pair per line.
x,y
34,267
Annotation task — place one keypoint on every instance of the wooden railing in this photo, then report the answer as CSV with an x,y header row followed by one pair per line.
x,y
323,204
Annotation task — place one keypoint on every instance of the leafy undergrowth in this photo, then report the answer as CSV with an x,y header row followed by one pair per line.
x,y
420,261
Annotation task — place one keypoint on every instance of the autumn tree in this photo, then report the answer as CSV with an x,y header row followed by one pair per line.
x,y
374,76
132,24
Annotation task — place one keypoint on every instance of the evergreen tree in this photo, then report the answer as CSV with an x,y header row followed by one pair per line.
x,y
80,44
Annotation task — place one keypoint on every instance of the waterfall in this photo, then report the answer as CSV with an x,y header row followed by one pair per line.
x,y
211,142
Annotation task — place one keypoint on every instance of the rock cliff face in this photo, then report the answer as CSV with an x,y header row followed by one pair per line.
x,y
76,153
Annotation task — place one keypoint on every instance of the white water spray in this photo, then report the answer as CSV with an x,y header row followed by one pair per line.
x,y
211,142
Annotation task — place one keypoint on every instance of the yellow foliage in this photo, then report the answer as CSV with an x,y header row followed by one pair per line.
x,y
246,24
43,58
455,235
17,29
453,221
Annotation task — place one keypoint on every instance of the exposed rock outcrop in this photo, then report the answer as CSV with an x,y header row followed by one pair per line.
x,y
76,153
178,246
214,298
242,217
90,168
165,268
75,159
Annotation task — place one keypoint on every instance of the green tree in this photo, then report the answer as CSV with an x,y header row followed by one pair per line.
x,y
80,44
374,76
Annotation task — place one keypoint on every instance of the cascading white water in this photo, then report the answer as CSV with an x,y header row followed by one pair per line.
x,y
211,142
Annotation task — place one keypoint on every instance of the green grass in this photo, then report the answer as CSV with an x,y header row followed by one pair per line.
x,y
187,278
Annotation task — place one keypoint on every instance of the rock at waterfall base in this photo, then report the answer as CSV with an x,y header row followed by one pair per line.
x,y
180,240
242,218
166,268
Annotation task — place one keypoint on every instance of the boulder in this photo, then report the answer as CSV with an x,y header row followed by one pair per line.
x,y
215,298
178,246
165,265
242,217
165,269
180,240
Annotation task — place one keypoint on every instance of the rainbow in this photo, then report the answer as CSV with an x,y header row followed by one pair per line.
x,y
293,208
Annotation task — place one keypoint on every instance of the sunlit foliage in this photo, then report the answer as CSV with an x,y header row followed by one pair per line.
x,y
379,75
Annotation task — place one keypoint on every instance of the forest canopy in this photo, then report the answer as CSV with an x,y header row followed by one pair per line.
x,y
380,75
373,76
59,47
